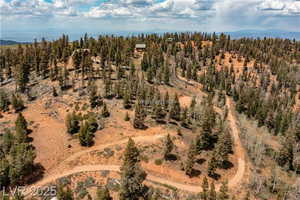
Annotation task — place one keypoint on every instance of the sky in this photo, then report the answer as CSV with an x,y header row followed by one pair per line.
x,y
28,19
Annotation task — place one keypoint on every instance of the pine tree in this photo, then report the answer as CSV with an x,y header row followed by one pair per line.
x,y
193,103
54,93
4,173
190,160
205,187
209,118
212,165
85,136
4,101
175,109
22,76
21,129
21,162
127,118
8,141
118,90
120,73
188,73
212,192
104,112
223,148
144,64
17,103
166,101
92,123
77,59
285,156
150,75
166,75
132,175
126,100
203,141
103,194
223,193
159,113
296,131
93,97
185,121
21,123
139,116
72,123
195,74
168,147
44,65
132,69
65,77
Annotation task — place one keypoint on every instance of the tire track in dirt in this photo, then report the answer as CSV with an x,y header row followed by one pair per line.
x,y
149,138
238,149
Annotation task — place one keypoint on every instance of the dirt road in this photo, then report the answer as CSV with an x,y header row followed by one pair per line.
x,y
150,138
238,149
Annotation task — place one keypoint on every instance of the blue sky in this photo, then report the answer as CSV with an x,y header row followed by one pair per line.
x,y
27,19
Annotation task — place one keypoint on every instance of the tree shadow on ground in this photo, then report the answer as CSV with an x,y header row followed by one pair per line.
x,y
173,122
195,173
29,139
200,161
37,174
215,176
142,127
171,157
29,131
227,165
160,121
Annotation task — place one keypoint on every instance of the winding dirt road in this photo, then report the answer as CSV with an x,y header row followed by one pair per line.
x,y
60,171
150,138
238,149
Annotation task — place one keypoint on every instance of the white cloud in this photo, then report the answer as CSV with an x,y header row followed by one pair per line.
x,y
148,8
137,3
272,5
294,8
36,8
281,7
59,4
163,6
204,4
67,12
109,10
203,15
2,3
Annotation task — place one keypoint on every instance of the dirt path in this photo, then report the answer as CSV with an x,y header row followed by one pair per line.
x,y
239,152
61,166
238,148
116,168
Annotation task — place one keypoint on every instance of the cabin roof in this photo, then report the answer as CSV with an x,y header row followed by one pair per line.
x,y
140,46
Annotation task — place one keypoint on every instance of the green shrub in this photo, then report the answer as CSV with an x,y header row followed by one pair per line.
x,y
158,162
144,158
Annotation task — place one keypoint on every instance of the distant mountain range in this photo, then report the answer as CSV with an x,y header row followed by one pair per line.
x,y
234,35
264,33
11,42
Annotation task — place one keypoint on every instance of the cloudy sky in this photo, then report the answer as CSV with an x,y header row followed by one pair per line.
x,y
27,19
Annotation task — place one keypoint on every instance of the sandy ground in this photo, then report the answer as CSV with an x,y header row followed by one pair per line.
x,y
51,140
238,149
